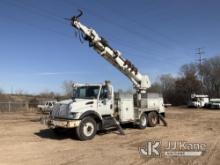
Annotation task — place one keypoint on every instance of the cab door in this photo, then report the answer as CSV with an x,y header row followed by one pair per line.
x,y
105,101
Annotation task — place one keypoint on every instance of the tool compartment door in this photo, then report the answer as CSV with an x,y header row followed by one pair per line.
x,y
126,109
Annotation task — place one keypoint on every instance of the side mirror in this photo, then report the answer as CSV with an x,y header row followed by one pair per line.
x,y
74,94
109,95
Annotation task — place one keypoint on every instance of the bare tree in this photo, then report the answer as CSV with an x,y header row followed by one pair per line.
x,y
193,78
48,94
19,92
189,70
68,88
167,82
155,88
177,91
187,84
210,73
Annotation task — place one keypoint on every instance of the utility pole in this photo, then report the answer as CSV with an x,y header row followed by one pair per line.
x,y
12,90
200,52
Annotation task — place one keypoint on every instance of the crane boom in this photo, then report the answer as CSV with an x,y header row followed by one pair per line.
x,y
101,46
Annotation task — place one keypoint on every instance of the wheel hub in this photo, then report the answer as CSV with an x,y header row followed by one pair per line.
x,y
88,129
143,121
154,120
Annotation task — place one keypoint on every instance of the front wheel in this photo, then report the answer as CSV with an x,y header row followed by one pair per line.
x,y
87,129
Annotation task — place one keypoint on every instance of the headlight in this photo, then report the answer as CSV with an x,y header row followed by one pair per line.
x,y
73,115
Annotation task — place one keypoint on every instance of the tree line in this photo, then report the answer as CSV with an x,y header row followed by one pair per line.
x,y
201,78
192,78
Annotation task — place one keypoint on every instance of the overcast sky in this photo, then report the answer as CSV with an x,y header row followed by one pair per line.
x,y
39,50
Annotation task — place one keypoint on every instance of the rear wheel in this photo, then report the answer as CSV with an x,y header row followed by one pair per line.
x,y
143,121
152,119
87,129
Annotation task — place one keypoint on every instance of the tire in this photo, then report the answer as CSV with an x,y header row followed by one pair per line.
x,y
87,129
152,119
143,121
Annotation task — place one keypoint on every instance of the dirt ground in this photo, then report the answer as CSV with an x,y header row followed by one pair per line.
x,y
23,140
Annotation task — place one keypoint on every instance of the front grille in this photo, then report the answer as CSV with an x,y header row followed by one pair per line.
x,y
60,111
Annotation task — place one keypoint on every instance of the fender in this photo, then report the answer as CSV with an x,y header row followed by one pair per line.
x,y
95,115
91,113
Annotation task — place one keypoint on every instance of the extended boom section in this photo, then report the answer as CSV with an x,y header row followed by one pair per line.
x,y
140,82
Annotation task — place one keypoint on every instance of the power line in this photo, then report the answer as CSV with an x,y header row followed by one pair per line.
x,y
61,33
36,11
13,19
143,25
52,14
134,21
144,36
125,28
129,46
128,43
33,24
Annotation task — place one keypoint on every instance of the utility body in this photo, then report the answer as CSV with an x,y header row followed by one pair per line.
x,y
97,107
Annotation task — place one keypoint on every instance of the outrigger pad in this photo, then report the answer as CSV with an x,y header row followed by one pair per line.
x,y
118,127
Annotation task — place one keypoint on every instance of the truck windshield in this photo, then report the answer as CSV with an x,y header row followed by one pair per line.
x,y
194,99
87,92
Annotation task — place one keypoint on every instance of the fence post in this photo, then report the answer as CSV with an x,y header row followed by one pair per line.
x,y
9,106
27,106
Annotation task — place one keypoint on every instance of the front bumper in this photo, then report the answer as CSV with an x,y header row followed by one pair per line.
x,y
64,123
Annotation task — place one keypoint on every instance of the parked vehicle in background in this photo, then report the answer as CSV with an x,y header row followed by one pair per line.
x,y
198,101
203,101
214,103
47,107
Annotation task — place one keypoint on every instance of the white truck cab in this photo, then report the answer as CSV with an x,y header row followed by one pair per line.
x,y
96,98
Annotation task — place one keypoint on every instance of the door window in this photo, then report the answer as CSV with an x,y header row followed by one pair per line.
x,y
104,92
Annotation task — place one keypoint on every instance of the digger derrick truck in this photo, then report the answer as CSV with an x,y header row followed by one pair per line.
x,y
96,107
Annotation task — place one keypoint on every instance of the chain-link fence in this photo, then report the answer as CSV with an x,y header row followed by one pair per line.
x,y
10,106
